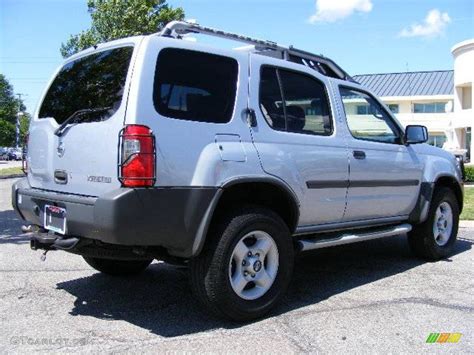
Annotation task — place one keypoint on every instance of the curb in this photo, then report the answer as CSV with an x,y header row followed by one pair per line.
x,y
12,176
466,224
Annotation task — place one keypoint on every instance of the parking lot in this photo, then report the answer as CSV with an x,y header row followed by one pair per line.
x,y
373,296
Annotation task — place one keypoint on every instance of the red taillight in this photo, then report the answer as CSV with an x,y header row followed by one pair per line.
x,y
137,165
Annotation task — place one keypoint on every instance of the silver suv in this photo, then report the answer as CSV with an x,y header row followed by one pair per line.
x,y
227,161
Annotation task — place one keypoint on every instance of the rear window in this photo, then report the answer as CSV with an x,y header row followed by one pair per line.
x,y
93,82
195,86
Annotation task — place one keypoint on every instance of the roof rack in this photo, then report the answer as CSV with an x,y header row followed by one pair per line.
x,y
319,63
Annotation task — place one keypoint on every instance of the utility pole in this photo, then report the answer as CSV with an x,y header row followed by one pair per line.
x,y
17,127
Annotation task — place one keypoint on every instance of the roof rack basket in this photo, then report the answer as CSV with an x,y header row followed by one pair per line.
x,y
319,63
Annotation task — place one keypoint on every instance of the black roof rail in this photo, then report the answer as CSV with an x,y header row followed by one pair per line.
x,y
320,63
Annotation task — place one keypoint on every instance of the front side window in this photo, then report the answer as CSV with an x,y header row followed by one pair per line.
x,y
294,102
195,86
373,124
93,82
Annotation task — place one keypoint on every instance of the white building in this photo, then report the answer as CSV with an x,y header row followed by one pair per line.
x,y
440,100
463,121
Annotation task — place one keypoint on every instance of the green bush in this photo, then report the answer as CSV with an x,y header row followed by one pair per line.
x,y
470,173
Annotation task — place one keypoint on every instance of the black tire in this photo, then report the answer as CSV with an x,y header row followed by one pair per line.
x,y
422,239
209,271
117,267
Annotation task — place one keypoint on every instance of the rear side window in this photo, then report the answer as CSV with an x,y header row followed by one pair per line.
x,y
93,82
195,86
294,102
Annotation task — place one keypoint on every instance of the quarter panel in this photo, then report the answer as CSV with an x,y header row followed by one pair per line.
x,y
187,153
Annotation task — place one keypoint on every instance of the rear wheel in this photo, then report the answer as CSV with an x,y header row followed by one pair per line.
x,y
246,265
117,267
434,239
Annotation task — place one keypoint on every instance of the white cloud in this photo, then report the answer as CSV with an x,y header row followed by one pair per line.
x,y
433,25
333,10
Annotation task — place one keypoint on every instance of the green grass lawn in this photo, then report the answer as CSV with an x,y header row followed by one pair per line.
x,y
11,171
468,209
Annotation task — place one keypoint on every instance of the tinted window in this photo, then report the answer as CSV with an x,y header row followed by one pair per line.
x,y
373,123
294,102
271,102
92,82
195,86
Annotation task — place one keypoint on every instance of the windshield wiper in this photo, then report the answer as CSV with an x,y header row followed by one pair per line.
x,y
75,118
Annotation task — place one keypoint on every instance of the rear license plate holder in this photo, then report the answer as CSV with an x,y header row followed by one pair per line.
x,y
55,219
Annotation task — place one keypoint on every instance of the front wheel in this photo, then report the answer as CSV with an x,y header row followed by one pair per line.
x,y
117,267
246,265
435,238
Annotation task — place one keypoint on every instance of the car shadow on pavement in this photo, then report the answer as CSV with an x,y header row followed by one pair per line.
x,y
10,228
161,301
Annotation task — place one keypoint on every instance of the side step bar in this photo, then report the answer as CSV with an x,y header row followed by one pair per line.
x,y
347,238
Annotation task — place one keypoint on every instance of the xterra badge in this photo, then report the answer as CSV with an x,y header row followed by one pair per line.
x,y
104,179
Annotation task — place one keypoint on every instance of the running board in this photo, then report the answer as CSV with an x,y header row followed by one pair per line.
x,y
347,238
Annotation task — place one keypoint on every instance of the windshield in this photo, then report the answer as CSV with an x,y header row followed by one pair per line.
x,y
90,82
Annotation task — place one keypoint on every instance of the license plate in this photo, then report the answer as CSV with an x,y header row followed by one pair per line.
x,y
55,219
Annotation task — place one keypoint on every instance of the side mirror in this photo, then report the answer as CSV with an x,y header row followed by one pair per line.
x,y
415,134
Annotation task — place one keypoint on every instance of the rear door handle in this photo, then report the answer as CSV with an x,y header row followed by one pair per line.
x,y
60,177
358,154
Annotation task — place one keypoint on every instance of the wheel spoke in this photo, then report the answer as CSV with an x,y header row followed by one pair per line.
x,y
240,252
448,216
263,245
239,282
264,279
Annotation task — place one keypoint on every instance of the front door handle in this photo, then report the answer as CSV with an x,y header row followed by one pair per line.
x,y
358,154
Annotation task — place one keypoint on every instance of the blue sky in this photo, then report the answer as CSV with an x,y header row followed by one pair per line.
x,y
363,36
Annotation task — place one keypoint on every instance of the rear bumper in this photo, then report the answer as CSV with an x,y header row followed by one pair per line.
x,y
173,218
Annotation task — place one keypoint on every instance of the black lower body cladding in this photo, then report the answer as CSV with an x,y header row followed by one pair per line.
x,y
168,217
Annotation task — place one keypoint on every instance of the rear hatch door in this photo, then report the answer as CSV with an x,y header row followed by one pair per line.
x,y
73,141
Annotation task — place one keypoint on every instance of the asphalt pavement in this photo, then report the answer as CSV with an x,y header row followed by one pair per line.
x,y
367,297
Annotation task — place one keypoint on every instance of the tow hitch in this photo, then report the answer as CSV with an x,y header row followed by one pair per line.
x,y
47,241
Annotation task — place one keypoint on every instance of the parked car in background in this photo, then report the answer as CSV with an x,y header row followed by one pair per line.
x,y
11,154
3,153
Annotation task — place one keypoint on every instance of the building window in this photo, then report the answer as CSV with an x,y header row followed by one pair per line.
x,y
365,110
431,107
394,108
437,139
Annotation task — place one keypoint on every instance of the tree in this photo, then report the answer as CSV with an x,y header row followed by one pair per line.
x,y
9,107
7,133
9,104
113,19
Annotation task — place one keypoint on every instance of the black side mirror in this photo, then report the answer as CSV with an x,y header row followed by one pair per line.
x,y
415,134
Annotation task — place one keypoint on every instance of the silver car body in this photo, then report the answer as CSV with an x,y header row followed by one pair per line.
x,y
200,154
